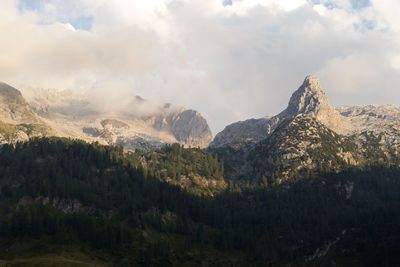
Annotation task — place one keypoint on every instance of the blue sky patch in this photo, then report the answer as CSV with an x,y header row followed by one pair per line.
x,y
365,25
355,4
79,22
83,23
30,4
360,4
227,2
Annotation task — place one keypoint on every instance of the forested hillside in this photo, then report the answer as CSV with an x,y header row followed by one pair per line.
x,y
303,147
121,208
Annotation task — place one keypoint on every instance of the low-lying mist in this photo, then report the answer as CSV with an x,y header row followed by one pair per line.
x,y
105,100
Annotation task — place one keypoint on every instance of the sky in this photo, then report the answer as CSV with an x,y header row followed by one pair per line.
x,y
228,59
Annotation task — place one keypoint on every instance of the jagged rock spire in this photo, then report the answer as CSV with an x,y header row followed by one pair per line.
x,y
311,100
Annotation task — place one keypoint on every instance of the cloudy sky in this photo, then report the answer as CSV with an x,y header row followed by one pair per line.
x,y
229,59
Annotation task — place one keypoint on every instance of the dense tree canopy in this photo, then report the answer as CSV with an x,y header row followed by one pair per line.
x,y
74,192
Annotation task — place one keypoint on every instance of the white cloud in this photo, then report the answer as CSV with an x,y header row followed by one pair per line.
x,y
242,6
343,79
388,12
70,27
228,62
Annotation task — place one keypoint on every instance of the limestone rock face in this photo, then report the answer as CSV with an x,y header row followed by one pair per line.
x,y
192,129
311,100
308,99
251,130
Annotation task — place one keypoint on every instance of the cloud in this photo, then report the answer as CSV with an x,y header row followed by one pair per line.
x,y
242,6
387,13
229,61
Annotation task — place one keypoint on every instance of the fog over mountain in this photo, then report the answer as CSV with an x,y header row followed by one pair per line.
x,y
135,123
230,60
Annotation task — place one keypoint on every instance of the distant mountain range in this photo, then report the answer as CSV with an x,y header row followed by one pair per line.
x,y
308,135
140,124
311,186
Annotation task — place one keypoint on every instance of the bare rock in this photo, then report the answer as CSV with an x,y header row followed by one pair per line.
x,y
192,129
311,100
252,130
113,123
375,118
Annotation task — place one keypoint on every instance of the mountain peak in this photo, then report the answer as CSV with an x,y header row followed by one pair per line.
x,y
312,82
9,92
309,99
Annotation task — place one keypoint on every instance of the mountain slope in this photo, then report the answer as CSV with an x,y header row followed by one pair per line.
x,y
18,122
13,107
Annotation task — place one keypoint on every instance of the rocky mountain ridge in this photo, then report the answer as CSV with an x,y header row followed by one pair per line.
x,y
308,99
309,136
311,101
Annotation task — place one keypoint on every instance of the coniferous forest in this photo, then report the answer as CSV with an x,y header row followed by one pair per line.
x,y
175,207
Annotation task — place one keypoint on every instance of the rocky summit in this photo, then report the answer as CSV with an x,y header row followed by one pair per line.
x,y
312,101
